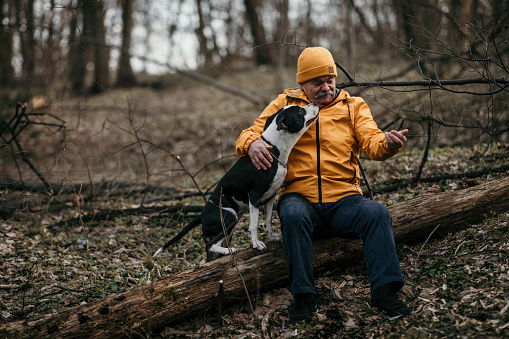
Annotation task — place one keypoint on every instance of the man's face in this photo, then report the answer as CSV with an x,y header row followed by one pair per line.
x,y
320,90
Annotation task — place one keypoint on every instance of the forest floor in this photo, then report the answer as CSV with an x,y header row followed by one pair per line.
x,y
458,286
53,257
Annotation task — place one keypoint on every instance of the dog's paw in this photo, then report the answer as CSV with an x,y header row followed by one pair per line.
x,y
259,245
274,236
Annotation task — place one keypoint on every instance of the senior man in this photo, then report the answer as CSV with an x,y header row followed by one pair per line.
x,y
321,195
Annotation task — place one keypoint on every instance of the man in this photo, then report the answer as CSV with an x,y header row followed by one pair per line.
x,y
322,194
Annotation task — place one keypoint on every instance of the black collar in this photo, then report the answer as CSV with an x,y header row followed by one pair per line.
x,y
282,163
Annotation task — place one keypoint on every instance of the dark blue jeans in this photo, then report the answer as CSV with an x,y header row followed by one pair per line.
x,y
353,215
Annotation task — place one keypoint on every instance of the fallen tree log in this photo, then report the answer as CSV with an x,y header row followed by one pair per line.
x,y
149,309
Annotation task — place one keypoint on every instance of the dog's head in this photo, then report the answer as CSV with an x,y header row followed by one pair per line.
x,y
294,118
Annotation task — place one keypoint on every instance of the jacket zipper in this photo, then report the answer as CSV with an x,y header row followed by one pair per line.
x,y
318,161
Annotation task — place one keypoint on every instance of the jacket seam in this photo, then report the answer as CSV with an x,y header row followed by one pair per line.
x,y
318,171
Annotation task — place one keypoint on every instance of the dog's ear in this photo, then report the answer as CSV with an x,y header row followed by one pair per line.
x,y
283,124
271,118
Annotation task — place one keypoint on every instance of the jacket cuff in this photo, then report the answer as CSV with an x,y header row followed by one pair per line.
x,y
243,152
392,151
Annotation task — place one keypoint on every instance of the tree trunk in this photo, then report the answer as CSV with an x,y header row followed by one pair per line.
x,y
142,310
6,69
25,17
79,51
202,39
125,72
282,29
102,51
262,51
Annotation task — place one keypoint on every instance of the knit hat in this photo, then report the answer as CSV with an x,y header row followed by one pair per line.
x,y
315,62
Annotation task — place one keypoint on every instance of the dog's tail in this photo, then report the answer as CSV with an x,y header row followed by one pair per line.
x,y
179,236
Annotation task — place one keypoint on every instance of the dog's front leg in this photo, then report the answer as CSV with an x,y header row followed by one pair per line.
x,y
253,227
273,236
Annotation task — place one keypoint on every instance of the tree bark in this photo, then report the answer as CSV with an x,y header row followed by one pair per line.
x,y
262,51
205,51
6,69
101,50
125,77
142,310
25,16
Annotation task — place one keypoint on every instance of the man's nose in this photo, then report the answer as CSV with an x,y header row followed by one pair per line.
x,y
324,87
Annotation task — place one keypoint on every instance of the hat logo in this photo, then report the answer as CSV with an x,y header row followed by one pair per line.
x,y
331,69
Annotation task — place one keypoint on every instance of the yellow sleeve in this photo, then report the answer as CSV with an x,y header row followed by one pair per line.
x,y
371,139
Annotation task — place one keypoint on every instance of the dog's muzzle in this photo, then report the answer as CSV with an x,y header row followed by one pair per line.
x,y
310,121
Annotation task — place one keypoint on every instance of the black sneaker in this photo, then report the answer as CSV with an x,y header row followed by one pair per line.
x,y
385,299
304,309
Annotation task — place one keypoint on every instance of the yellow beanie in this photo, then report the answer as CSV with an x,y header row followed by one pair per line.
x,y
315,62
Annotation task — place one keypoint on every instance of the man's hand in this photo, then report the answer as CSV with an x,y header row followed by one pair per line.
x,y
395,139
259,154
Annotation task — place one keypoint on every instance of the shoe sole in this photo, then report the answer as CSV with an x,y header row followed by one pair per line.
x,y
388,316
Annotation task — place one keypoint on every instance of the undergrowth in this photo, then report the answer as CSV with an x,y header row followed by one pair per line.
x,y
457,286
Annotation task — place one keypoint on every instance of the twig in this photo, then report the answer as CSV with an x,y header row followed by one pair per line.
x,y
140,145
370,190
15,126
175,157
435,83
27,286
220,304
265,322
350,78
255,318
422,247
428,141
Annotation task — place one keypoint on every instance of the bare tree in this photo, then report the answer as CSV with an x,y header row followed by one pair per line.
x,y
6,69
77,58
25,23
405,12
91,49
125,77
262,50
102,52
205,51
283,26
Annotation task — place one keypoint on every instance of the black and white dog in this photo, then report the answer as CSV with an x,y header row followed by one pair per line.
x,y
245,186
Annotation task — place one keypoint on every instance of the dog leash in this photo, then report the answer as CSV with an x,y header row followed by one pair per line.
x,y
282,163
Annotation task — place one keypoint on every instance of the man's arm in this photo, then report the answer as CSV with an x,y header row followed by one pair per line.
x,y
376,144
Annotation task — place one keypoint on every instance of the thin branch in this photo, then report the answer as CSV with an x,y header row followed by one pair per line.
x,y
350,78
425,242
394,185
232,254
427,83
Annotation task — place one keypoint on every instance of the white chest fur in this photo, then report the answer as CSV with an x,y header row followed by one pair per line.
x,y
276,183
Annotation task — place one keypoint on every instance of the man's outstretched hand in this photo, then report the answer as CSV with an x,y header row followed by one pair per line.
x,y
395,139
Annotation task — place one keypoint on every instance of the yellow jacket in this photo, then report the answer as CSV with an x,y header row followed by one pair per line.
x,y
323,165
